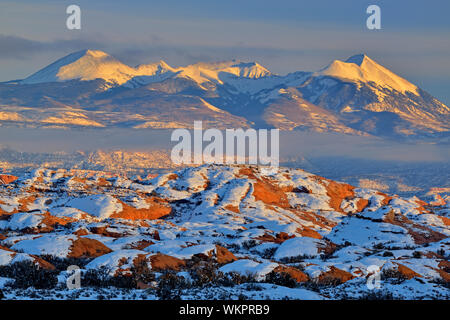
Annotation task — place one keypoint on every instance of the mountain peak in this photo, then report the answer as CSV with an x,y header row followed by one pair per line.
x,y
96,53
89,64
86,64
252,70
164,64
153,68
357,59
88,53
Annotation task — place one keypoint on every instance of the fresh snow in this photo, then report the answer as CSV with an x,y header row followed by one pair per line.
x,y
249,267
304,246
100,206
200,197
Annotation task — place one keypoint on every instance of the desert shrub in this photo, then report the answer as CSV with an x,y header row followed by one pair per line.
x,y
61,264
101,278
388,254
417,255
123,281
281,279
203,272
254,287
170,286
406,247
141,272
96,277
298,266
296,259
392,274
224,296
346,244
27,274
441,282
326,256
314,284
301,189
235,278
268,253
377,295
248,244
330,281
234,247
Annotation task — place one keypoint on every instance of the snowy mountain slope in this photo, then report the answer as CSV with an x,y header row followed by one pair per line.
x,y
361,68
95,64
291,112
219,72
318,232
360,89
356,96
84,65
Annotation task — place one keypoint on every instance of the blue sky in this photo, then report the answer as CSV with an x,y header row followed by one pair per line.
x,y
282,35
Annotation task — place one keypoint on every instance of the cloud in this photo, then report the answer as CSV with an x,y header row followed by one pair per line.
x,y
182,55
19,48
14,47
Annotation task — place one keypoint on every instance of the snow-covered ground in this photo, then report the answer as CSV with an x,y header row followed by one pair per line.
x,y
219,232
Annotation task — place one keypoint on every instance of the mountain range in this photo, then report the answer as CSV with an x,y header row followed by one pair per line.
x,y
90,88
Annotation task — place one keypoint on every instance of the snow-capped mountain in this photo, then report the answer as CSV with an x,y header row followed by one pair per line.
x,y
84,65
360,68
298,235
371,98
95,64
91,88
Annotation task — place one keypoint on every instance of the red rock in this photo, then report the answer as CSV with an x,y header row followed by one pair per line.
x,y
161,262
7,179
406,272
334,276
158,208
87,248
296,274
223,255
338,192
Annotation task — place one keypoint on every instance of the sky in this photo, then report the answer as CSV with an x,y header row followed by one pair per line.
x,y
283,35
